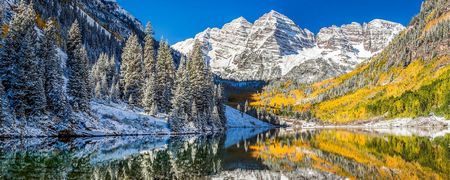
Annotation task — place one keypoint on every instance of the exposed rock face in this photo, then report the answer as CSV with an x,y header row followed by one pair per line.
x,y
373,36
275,47
108,14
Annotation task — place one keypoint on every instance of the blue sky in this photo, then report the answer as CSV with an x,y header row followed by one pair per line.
x,y
177,20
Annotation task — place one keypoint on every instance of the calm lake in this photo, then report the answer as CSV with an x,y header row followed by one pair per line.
x,y
238,154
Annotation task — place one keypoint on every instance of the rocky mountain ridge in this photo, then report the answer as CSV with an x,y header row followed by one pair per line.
x,y
275,47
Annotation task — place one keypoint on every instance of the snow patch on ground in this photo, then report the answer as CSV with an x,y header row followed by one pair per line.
x,y
236,119
118,118
432,126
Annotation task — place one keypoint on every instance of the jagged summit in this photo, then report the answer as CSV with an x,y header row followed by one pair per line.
x,y
274,46
274,15
241,20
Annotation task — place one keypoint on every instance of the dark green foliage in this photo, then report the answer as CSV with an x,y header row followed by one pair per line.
x,y
162,166
434,97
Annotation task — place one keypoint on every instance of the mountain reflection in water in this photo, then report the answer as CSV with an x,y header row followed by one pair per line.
x,y
240,153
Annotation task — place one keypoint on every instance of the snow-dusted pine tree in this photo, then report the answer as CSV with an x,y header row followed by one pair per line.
x,y
4,107
78,87
12,47
86,92
149,101
53,72
111,72
219,100
2,15
97,76
208,92
198,77
149,53
132,77
114,93
165,78
201,83
28,94
103,73
182,100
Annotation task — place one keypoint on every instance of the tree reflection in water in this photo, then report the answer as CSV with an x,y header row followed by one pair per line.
x,y
357,154
312,154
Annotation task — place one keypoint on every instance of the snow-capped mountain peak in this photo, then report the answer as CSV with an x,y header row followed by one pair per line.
x,y
240,20
274,46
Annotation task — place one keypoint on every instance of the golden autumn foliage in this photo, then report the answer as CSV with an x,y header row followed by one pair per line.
x,y
353,106
356,105
5,30
433,22
40,22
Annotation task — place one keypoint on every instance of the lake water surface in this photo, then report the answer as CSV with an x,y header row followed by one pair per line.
x,y
238,154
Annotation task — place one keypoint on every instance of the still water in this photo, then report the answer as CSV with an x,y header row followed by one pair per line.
x,y
238,154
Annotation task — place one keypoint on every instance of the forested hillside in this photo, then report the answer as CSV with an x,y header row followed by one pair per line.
x,y
49,87
410,78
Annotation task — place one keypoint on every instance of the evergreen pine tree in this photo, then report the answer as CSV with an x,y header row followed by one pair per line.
x,y
99,76
111,71
181,101
199,78
4,107
202,87
53,72
86,91
1,15
208,92
27,88
78,87
132,71
149,54
219,98
180,75
150,100
165,78
11,47
114,90
104,76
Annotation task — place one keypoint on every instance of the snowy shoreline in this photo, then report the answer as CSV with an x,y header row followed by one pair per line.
x,y
117,119
431,126
420,122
